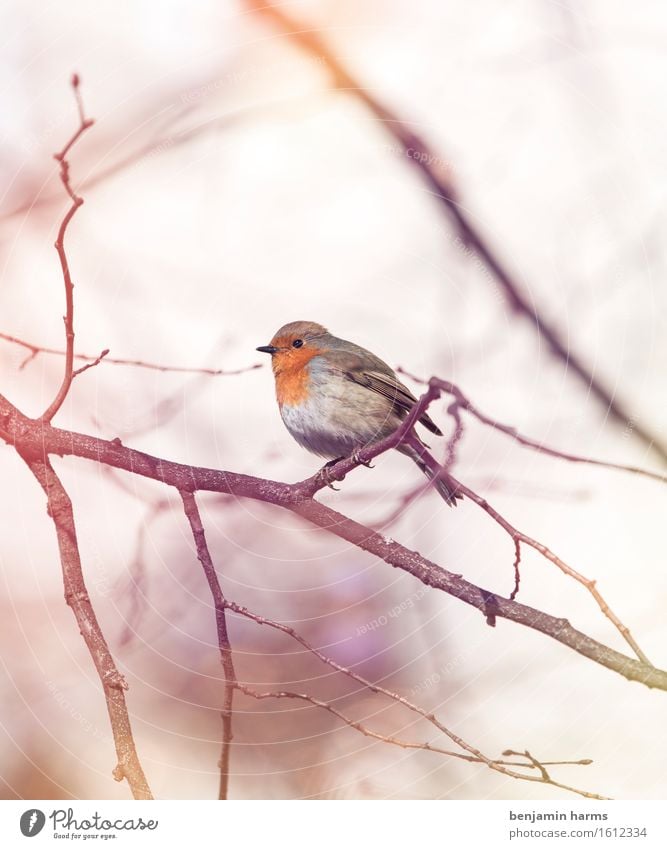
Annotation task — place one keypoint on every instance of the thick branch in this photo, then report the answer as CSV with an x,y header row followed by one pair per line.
x,y
59,508
36,436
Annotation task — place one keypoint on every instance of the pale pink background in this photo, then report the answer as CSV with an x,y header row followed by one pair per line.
x,y
290,203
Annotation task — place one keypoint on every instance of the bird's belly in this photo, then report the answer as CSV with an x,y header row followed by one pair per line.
x,y
335,424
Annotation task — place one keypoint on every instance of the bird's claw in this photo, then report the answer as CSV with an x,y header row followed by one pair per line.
x,y
326,476
356,456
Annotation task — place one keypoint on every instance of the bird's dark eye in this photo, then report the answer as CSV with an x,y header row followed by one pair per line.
x,y
297,343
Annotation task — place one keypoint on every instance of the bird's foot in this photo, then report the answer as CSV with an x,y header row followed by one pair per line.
x,y
356,456
326,473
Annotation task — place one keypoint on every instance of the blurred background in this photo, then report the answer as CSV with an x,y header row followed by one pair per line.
x,y
229,189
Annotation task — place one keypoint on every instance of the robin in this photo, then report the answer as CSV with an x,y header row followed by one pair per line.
x,y
336,397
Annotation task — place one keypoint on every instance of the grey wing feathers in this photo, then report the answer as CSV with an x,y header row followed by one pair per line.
x,y
388,385
362,367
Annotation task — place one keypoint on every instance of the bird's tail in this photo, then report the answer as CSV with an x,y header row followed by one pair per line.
x,y
415,449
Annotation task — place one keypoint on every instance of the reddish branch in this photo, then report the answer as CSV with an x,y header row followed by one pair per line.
x,y
405,434
36,440
84,124
59,508
519,537
220,603
34,435
420,156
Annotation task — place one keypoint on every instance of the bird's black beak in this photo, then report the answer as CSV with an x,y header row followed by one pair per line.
x,y
267,349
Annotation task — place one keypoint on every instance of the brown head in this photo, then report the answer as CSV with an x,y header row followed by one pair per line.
x,y
295,344
291,349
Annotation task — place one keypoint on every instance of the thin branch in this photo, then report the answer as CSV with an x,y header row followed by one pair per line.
x,y
473,756
59,508
39,349
516,564
405,434
84,124
455,438
220,603
464,403
92,364
439,180
519,537
497,765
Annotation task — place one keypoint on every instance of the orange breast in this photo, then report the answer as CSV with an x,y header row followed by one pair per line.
x,y
292,375
292,387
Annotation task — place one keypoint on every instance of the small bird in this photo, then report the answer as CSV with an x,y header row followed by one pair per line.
x,y
336,397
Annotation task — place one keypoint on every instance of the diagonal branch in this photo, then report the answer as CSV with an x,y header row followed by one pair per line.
x,y
518,537
473,755
471,239
60,510
507,768
220,603
37,436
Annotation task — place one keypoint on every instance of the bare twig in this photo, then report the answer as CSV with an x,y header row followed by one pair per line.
x,y
92,364
84,124
439,180
517,573
464,403
39,349
507,768
60,510
220,603
519,537
472,755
